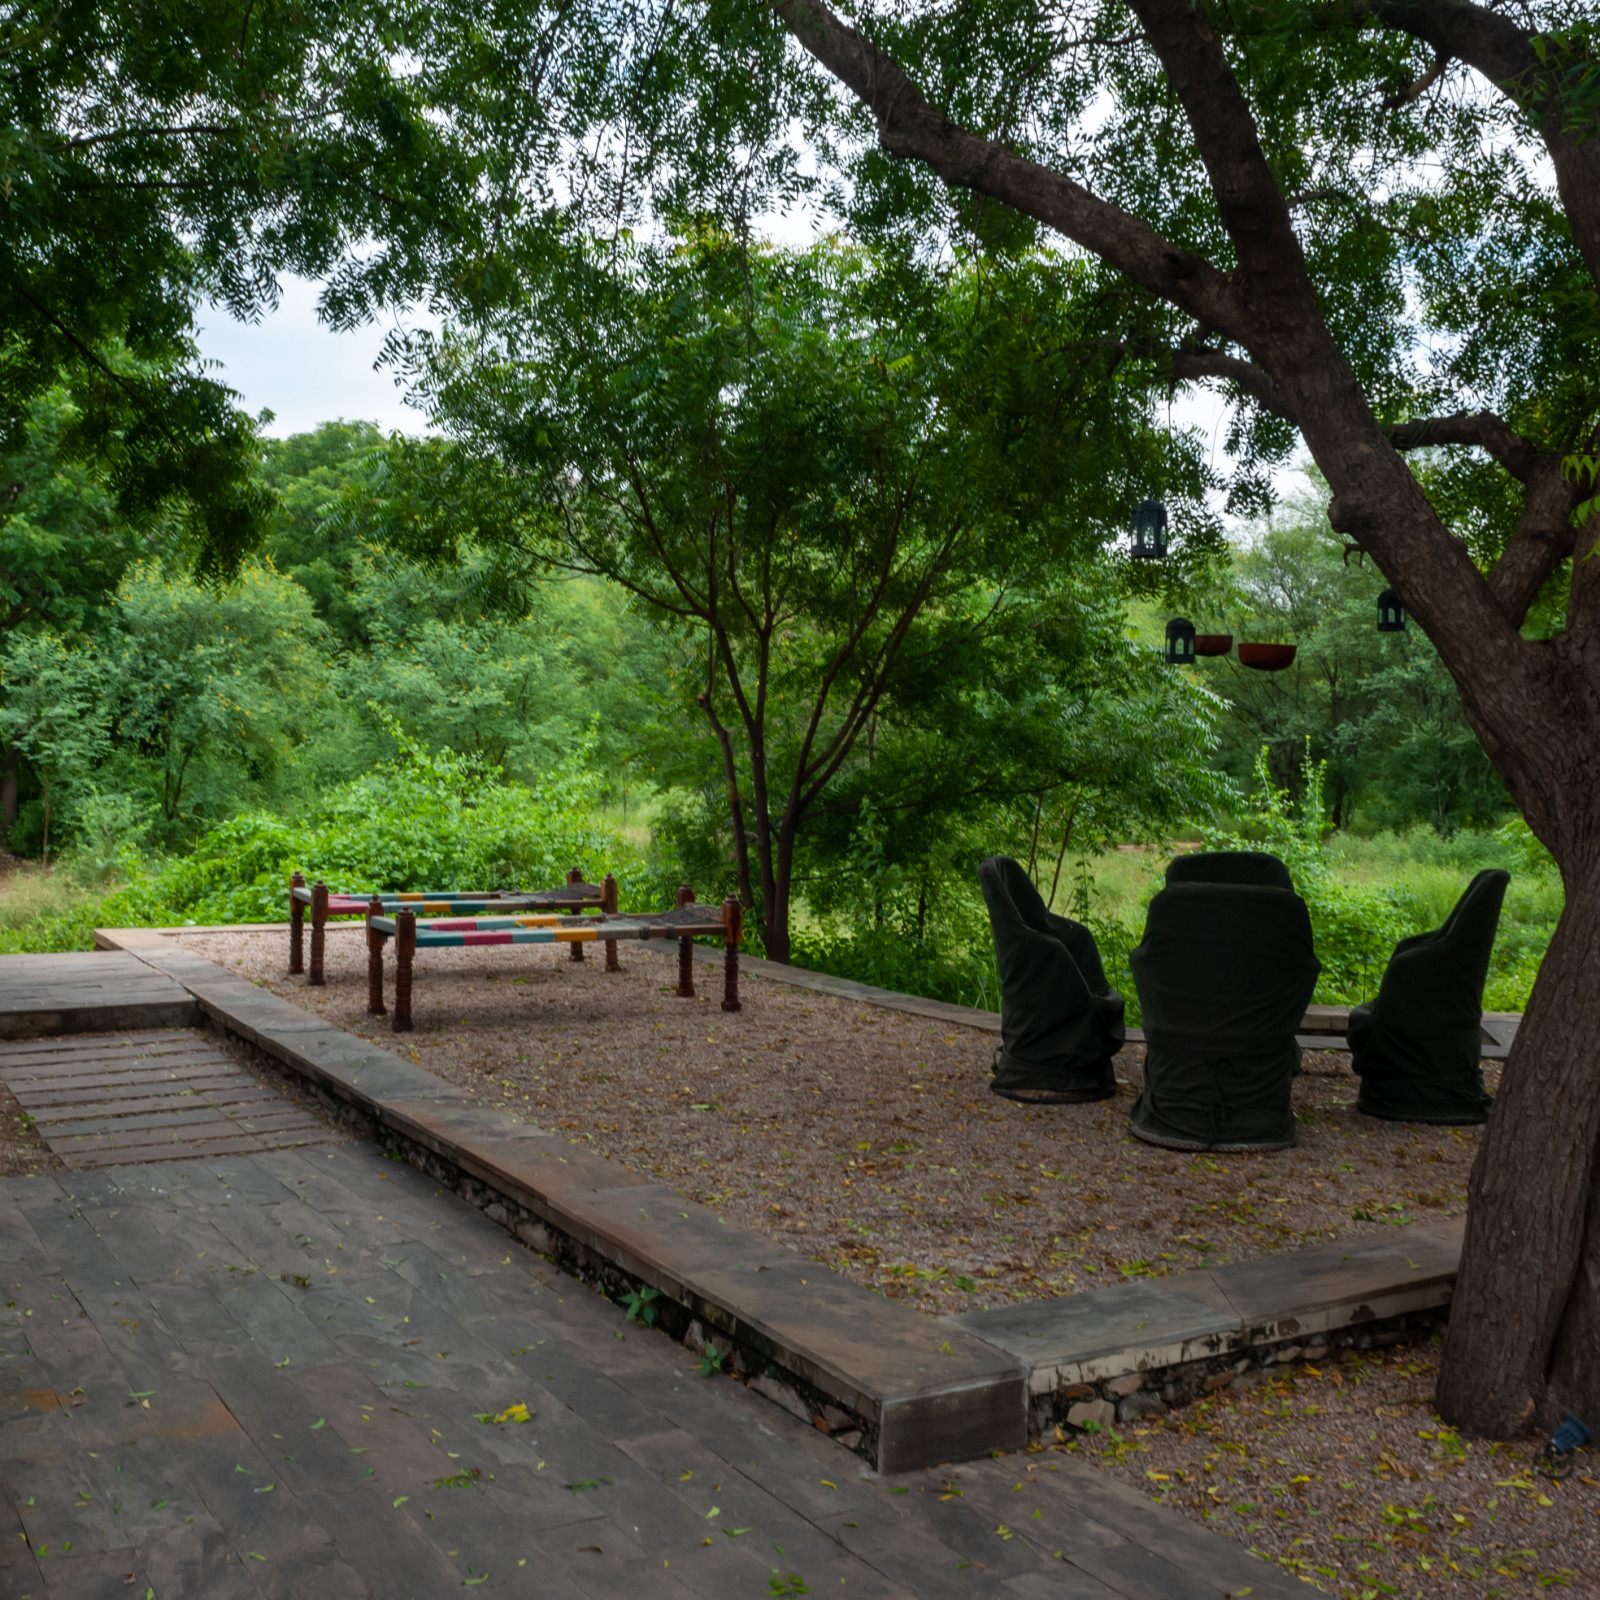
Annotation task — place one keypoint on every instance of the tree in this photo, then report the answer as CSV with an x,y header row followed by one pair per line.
x,y
63,546
1379,708
825,501
1376,222
161,152
53,713
215,688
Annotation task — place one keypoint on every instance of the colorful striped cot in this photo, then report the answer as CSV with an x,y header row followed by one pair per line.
x,y
573,895
687,922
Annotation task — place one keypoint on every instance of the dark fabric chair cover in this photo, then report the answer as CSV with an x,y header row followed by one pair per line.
x,y
1230,866
1418,1046
1060,1019
1225,971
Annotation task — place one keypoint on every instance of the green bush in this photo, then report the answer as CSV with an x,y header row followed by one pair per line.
x,y
424,820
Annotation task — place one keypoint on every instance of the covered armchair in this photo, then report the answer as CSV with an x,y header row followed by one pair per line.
x,y
1224,972
1060,1019
1418,1047
1230,866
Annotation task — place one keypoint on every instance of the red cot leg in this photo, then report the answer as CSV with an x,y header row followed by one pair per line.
x,y
405,950
608,908
297,927
732,929
375,1006
319,932
576,949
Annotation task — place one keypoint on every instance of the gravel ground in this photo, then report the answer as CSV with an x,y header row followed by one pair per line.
x,y
868,1137
22,1151
1346,1476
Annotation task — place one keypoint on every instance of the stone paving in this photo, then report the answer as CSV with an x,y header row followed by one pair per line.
x,y
299,1373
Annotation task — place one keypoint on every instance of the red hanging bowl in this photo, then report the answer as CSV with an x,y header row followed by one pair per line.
x,y
1213,644
1266,657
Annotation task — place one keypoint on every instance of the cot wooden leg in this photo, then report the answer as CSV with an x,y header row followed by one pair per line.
x,y
297,927
732,929
577,951
375,1006
612,964
686,969
319,932
405,950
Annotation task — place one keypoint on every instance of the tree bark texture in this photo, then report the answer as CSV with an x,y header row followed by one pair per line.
x,y
1524,1342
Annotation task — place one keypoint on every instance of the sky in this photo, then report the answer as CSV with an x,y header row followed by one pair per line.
x,y
303,372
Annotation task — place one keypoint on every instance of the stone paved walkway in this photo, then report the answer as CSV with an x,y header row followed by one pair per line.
x,y
294,1374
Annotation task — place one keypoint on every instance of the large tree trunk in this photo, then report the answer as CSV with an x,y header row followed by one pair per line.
x,y
1524,1338
10,762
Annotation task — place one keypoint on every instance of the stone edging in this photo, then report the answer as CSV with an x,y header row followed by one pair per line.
x,y
902,1389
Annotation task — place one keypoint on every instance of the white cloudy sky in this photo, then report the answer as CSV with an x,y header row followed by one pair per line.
x,y
292,365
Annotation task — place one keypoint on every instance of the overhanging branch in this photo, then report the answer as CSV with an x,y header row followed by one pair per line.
x,y
1481,428
909,126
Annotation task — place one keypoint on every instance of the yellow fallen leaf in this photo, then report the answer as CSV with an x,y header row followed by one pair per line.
x,y
1313,1371
826,1485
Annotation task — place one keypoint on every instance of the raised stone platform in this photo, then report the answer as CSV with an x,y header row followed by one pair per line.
x,y
904,1390
92,991
1162,1341
901,1388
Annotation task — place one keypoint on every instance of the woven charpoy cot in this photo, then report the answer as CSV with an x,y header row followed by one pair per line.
x,y
571,897
687,922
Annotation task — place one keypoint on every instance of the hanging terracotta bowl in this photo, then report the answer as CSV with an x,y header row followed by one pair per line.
x,y
1213,644
1266,657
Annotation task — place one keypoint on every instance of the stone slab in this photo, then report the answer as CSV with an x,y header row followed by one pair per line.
x,y
1152,1323
87,992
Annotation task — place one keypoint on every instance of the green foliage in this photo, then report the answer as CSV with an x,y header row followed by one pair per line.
x,y
1379,710
1354,928
424,819
155,154
213,686
54,714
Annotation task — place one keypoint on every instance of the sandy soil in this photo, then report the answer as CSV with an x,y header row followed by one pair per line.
x,y
867,1137
1346,1476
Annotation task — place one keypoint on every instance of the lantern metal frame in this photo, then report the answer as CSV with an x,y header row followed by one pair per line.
x,y
1149,531
1180,642
1391,613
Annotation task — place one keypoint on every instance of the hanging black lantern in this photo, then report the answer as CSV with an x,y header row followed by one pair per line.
x,y
1180,642
1149,531
1391,614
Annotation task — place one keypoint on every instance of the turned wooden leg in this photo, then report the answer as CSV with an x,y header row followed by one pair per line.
x,y
405,950
319,932
732,928
375,1006
297,927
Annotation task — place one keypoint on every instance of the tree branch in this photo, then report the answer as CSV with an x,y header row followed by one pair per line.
x,y
909,126
1481,428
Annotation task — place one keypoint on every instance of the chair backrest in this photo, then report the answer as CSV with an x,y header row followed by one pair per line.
x,y
1028,949
1225,967
1249,867
1452,961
